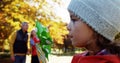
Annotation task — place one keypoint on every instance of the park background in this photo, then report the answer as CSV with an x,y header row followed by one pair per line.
x,y
52,14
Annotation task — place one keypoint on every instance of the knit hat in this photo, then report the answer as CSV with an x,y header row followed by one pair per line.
x,y
102,15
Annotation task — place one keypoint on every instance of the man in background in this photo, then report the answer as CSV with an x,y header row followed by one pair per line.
x,y
19,44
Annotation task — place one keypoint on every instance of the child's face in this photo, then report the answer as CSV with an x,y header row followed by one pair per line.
x,y
33,33
79,32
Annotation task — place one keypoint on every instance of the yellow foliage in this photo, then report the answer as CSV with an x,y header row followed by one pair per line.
x,y
13,13
17,11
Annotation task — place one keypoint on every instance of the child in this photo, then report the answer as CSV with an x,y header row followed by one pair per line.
x,y
95,25
33,41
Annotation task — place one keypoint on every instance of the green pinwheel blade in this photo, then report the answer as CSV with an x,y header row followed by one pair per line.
x,y
47,49
45,38
39,27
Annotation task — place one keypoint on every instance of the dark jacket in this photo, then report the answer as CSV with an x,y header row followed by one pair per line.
x,y
20,44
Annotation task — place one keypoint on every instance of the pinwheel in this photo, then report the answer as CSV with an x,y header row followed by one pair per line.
x,y
44,48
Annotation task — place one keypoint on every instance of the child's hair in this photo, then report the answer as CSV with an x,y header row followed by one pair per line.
x,y
31,35
104,43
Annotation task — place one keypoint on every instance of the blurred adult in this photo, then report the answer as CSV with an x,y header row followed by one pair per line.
x,y
19,44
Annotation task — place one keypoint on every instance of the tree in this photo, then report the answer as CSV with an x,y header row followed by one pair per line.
x,y
12,13
47,16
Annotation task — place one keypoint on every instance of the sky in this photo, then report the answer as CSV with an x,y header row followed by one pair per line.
x,y
60,11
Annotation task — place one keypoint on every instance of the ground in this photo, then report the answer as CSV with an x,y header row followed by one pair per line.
x,y
53,58
57,59
60,59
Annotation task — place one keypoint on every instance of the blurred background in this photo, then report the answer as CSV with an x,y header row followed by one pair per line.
x,y
51,13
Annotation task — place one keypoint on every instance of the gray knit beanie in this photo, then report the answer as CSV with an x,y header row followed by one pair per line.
x,y
102,15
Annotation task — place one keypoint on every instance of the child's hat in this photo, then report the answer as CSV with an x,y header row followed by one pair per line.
x,y
102,15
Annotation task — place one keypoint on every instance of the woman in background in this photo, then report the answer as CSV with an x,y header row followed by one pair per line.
x,y
34,40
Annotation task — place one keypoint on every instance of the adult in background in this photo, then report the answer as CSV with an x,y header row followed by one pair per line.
x,y
19,44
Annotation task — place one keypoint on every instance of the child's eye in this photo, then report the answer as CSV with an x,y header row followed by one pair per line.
x,y
74,20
